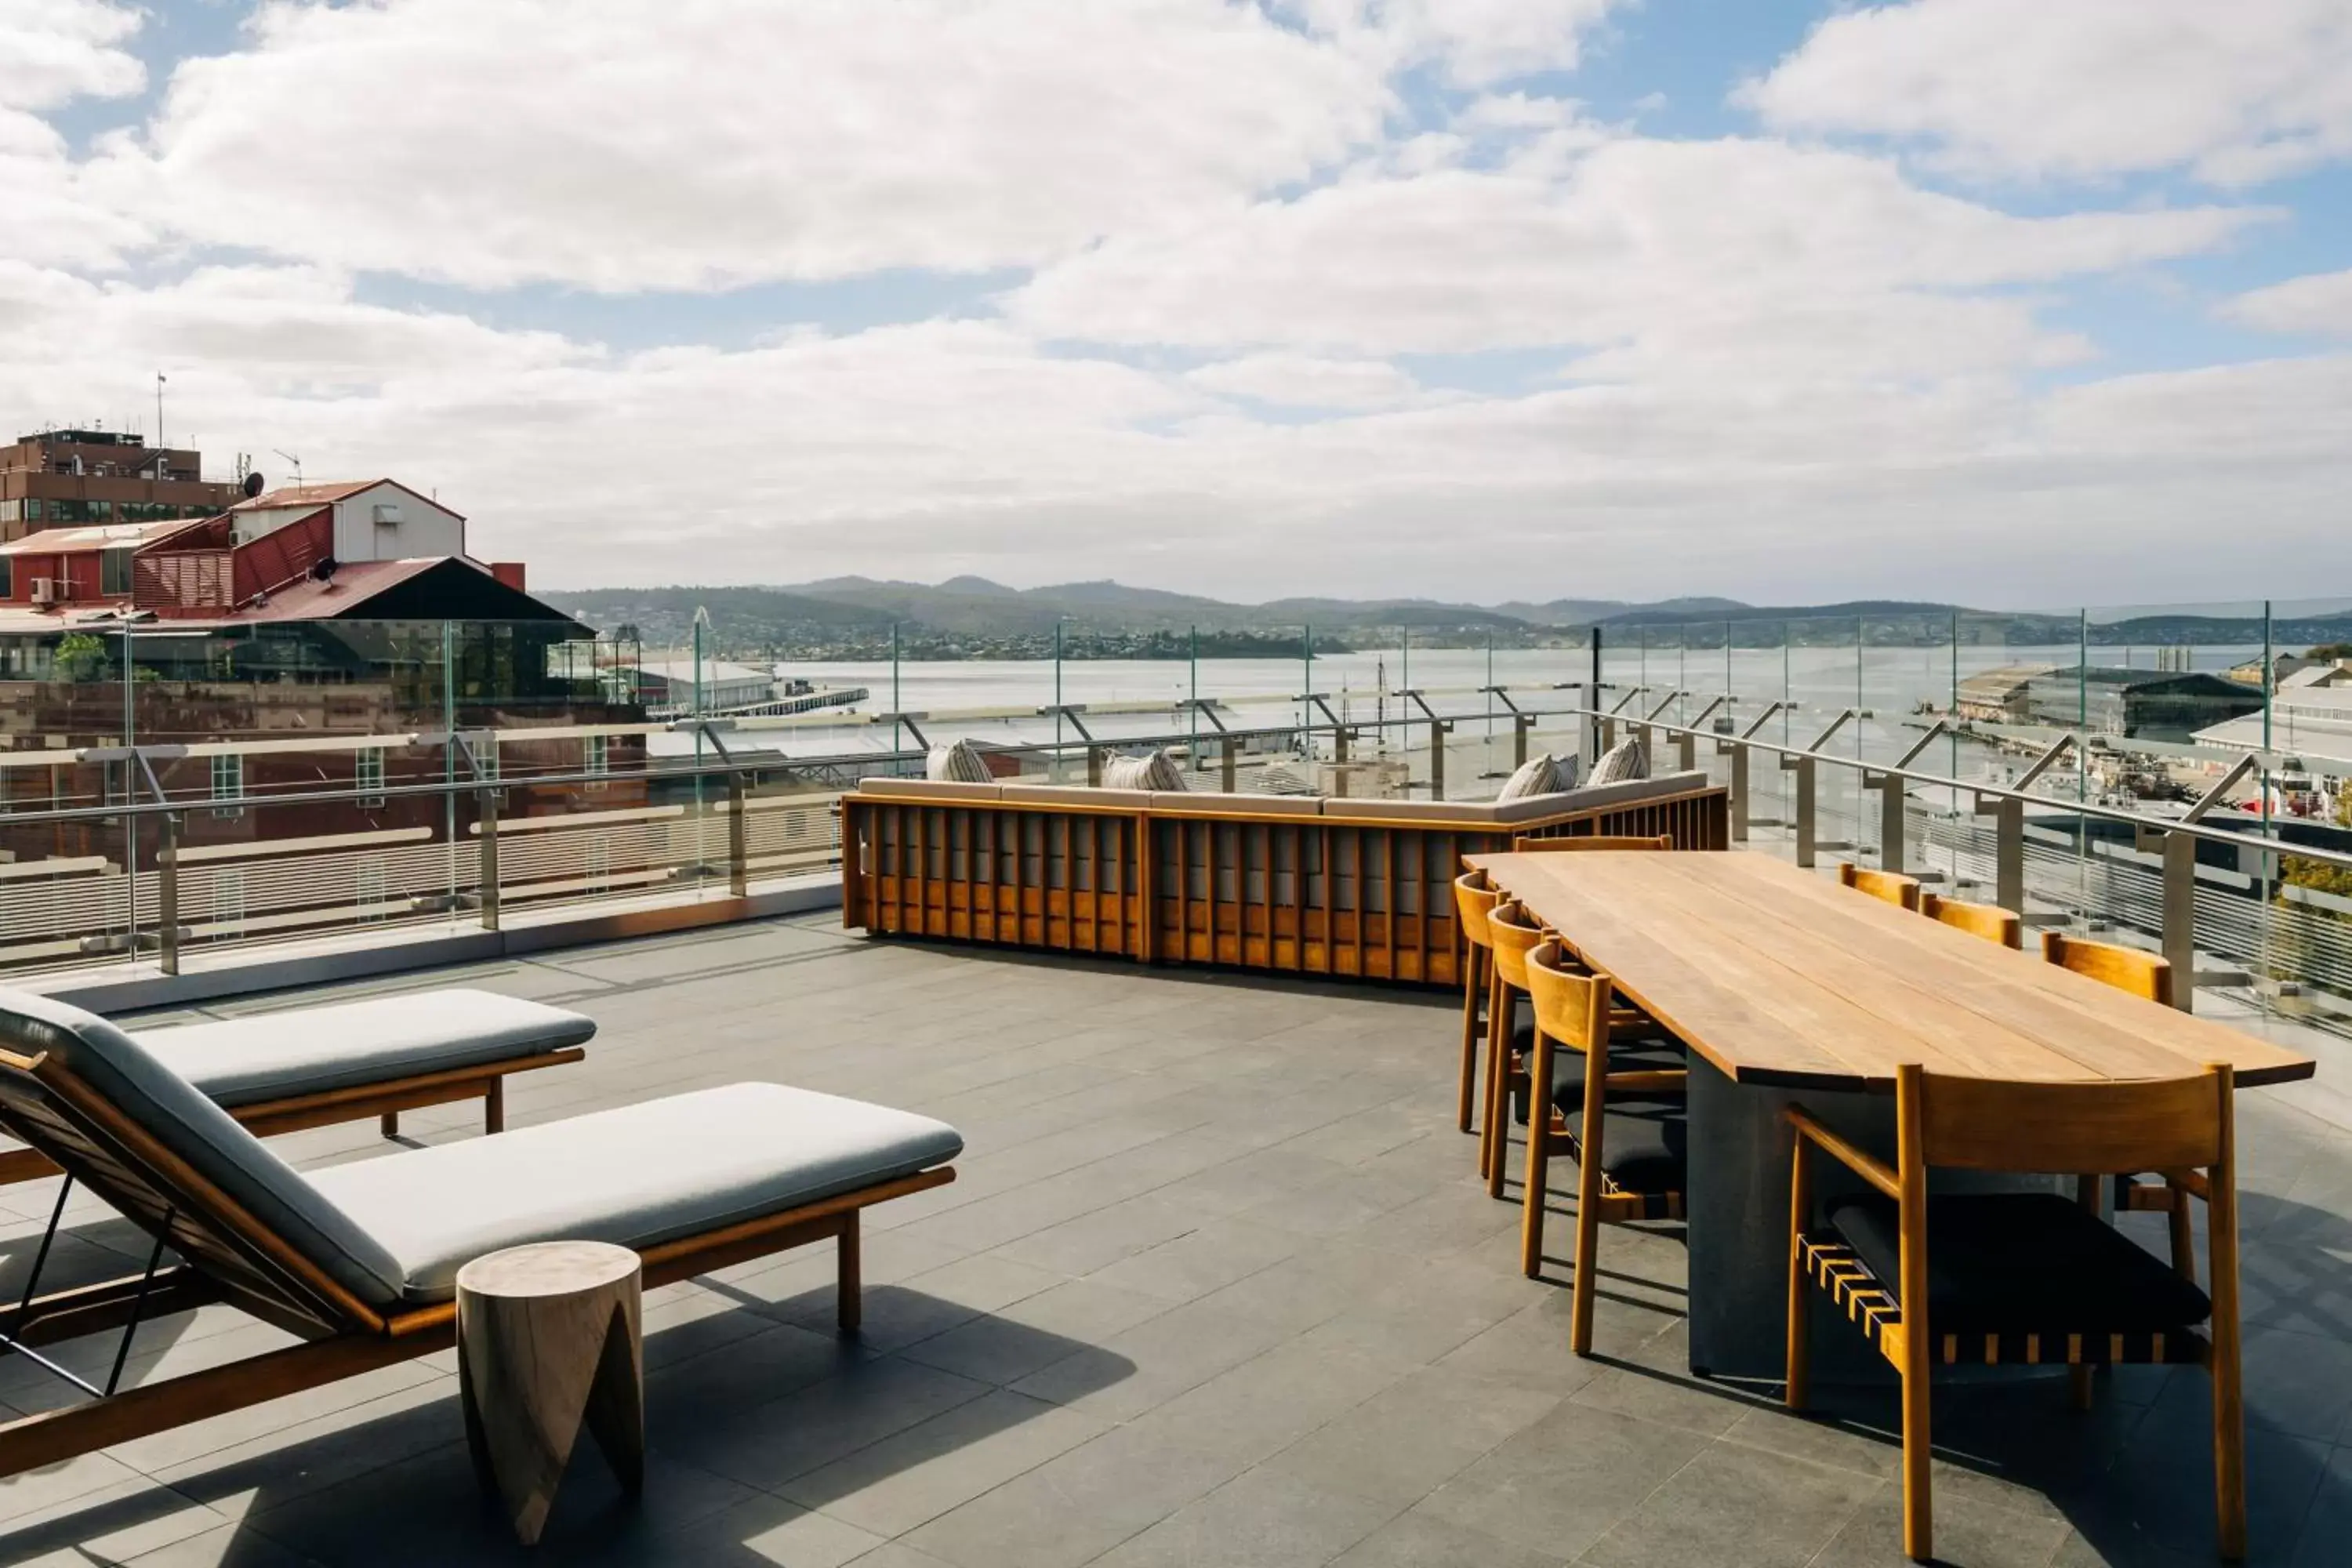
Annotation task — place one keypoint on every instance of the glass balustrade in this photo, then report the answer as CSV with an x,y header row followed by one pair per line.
x,y
2169,776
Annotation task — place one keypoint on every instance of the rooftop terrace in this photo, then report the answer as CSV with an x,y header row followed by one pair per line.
x,y
1216,1285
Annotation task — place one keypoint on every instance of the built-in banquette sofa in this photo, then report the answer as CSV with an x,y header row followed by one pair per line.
x,y
1317,886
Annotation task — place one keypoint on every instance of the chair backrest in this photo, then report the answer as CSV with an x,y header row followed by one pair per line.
x,y
2104,1127
2124,968
1515,932
1569,1008
1990,922
1892,887
1472,903
1594,841
101,1107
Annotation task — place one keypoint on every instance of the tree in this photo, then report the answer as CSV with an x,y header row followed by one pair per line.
x,y
80,657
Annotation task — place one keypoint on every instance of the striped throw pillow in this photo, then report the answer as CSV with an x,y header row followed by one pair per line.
x,y
1622,764
1149,770
957,762
1537,775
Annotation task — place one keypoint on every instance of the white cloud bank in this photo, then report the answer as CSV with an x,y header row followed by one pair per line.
x,y
1779,369
2236,91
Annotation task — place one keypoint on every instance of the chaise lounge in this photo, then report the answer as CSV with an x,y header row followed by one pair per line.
x,y
317,1066
359,1260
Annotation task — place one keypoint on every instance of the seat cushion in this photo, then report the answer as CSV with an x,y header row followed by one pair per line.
x,y
2024,1263
238,1061
188,1125
633,1176
1645,1143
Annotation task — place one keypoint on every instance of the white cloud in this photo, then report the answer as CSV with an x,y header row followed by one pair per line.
x,y
1688,252
1471,43
52,52
1304,381
700,143
2237,92
2319,304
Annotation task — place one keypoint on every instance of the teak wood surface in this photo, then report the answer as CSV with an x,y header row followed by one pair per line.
x,y
1779,976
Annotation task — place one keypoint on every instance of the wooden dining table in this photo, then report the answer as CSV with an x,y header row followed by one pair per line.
x,y
1788,987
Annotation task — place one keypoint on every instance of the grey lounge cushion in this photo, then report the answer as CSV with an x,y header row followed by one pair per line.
x,y
309,1051
633,1176
186,1123
1146,771
958,762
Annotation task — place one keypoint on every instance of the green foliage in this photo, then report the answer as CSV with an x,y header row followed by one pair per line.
x,y
81,656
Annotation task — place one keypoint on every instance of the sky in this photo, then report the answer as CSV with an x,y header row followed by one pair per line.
x,y
1997,300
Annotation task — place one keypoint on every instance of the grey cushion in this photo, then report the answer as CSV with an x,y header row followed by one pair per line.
x,y
311,1049
1539,774
171,1112
925,789
633,1176
957,762
1621,763
1147,770
1300,805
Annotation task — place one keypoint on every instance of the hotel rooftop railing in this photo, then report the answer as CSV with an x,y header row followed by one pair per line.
x,y
714,824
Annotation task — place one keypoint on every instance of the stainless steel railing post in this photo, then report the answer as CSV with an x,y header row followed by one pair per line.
x,y
2181,917
167,894
1805,826
488,801
1740,786
739,839
2008,854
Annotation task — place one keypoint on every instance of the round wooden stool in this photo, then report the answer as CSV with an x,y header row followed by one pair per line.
x,y
548,1337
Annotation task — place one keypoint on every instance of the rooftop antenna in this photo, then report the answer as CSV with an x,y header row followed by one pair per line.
x,y
290,457
159,408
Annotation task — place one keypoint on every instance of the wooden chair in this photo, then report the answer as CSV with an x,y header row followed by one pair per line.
x,y
2025,1277
1618,1112
1990,922
1892,887
1512,933
2149,976
1474,900
1528,845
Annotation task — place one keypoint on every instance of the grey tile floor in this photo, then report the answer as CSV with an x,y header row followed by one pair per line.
x,y
1216,1286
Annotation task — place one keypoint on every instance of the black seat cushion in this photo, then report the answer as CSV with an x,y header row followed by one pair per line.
x,y
1644,1135
1568,1067
2024,1263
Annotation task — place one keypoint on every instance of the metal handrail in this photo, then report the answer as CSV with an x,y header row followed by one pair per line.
x,y
742,769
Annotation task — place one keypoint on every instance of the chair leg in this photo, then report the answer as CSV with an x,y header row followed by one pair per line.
x,y
1918,1513
2184,1242
1798,1390
1473,979
389,1124
1495,1047
1498,1087
494,1106
1533,1195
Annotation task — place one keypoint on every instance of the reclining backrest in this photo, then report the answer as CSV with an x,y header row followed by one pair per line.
x,y
191,1129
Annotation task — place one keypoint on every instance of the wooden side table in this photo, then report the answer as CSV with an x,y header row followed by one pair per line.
x,y
549,1336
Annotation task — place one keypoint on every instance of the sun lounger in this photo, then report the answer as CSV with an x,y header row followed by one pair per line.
x,y
312,1067
359,1260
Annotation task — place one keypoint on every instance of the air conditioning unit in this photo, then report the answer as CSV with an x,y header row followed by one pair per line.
x,y
44,590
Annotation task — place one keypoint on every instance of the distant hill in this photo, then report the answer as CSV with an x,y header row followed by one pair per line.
x,y
972,616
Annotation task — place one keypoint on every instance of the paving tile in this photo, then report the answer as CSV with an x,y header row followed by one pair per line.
x,y
1655,1384
1133,1372
1073,1509
769,1445
1209,1258
1413,1436
1565,1480
112,1524
1967,1533
1257,1521
1009,1344
1735,1504
1270,1402
1418,1540
911,1478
